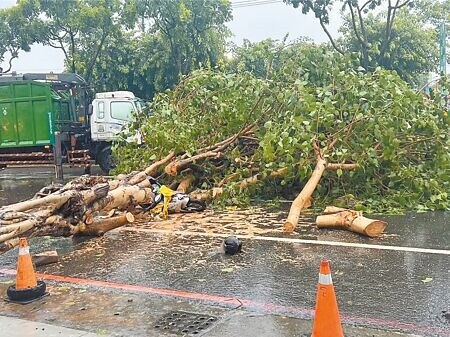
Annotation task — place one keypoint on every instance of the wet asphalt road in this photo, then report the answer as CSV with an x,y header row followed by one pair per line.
x,y
395,290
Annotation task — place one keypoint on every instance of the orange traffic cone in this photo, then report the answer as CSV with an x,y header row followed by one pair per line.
x,y
326,318
27,288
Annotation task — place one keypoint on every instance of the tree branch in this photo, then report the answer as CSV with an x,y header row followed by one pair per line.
x,y
13,56
355,28
333,43
403,4
94,59
364,42
365,4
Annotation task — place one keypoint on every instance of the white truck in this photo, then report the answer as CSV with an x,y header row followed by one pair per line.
x,y
109,114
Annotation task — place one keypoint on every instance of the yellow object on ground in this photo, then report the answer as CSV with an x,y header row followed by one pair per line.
x,y
167,194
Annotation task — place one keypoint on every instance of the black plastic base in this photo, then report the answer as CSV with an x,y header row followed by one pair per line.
x,y
26,295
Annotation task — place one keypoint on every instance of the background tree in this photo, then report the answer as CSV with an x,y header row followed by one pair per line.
x,y
155,42
272,59
256,137
260,58
79,28
413,50
372,52
170,39
18,31
433,11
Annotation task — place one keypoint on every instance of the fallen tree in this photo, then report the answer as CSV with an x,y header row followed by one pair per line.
x,y
326,134
229,137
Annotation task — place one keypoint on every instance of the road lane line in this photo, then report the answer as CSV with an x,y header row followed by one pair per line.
x,y
233,302
293,240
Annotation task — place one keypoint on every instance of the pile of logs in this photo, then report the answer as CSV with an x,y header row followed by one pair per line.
x,y
88,205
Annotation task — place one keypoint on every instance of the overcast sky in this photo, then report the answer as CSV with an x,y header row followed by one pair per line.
x,y
254,20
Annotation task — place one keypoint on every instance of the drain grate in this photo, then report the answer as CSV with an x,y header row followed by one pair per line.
x,y
185,323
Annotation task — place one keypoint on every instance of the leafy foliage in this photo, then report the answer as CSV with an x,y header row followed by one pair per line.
x,y
79,28
17,32
399,142
139,45
168,40
433,11
412,52
393,35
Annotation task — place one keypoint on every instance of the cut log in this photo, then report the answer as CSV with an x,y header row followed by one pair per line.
x,y
136,179
7,245
17,229
102,225
186,183
122,198
334,209
351,220
45,258
53,200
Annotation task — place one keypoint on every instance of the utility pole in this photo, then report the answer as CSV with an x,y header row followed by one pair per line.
x,y
442,48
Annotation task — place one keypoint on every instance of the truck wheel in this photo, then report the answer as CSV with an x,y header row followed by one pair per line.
x,y
105,159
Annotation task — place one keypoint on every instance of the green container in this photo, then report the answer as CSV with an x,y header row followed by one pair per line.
x,y
30,113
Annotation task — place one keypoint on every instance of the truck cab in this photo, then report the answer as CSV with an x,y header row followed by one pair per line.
x,y
111,112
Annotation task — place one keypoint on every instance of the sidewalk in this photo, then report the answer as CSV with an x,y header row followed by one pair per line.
x,y
241,324
14,327
121,314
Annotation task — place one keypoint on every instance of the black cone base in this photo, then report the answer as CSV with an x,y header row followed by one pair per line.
x,y
25,296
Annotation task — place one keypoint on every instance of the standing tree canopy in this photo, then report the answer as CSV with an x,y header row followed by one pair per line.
x,y
18,30
165,40
413,51
79,28
170,39
139,45
433,11
383,33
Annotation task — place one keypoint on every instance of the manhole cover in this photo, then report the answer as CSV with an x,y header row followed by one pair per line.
x,y
184,323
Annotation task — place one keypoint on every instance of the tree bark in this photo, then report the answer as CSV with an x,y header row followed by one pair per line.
x,y
102,225
305,195
351,220
186,183
257,178
175,167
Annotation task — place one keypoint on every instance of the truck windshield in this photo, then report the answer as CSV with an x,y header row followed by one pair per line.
x,y
122,110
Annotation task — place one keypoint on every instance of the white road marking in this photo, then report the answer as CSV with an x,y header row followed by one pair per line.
x,y
289,240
